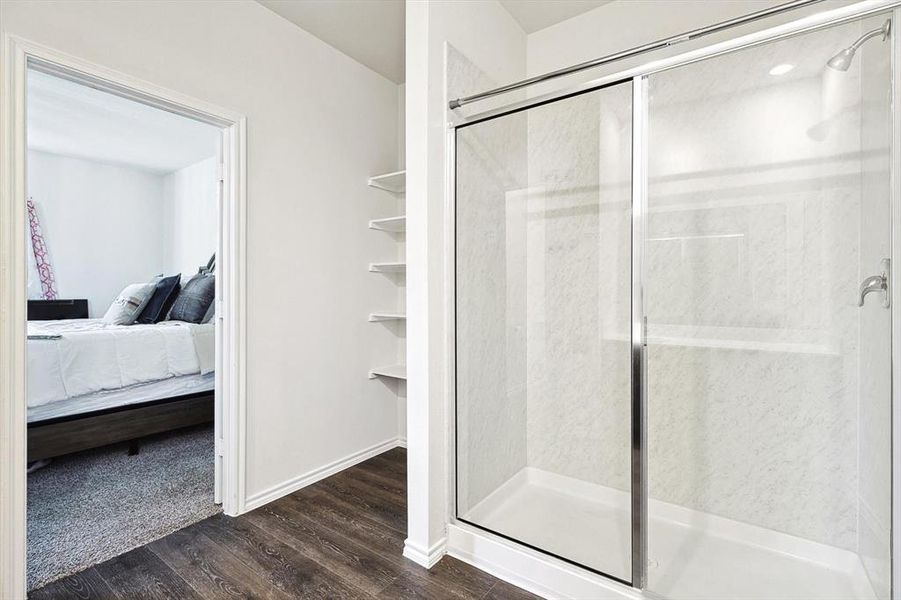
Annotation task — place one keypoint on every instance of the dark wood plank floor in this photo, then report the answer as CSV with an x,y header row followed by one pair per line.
x,y
339,538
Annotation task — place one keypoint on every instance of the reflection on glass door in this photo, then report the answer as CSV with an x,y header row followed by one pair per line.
x,y
769,386
543,396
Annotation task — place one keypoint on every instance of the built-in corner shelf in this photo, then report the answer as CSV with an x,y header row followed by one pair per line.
x,y
392,224
395,183
388,267
391,372
385,316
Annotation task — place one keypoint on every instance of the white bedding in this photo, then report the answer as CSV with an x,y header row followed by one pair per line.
x,y
143,392
87,355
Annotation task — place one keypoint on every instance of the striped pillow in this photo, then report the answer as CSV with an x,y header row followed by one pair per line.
x,y
129,304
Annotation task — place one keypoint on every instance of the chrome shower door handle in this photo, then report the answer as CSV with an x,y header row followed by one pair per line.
x,y
876,283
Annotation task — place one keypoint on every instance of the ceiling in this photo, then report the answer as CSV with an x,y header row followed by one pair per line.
x,y
72,119
372,31
534,15
369,31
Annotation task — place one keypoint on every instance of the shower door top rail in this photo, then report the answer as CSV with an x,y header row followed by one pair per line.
x,y
643,49
802,25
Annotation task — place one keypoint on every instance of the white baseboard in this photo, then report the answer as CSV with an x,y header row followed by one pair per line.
x,y
401,442
301,481
425,558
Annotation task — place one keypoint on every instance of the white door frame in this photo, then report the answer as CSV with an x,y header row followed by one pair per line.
x,y
231,282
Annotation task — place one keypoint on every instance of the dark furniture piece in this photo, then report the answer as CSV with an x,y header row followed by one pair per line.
x,y
130,423
54,310
63,435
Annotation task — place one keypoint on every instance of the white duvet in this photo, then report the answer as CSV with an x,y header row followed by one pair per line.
x,y
87,355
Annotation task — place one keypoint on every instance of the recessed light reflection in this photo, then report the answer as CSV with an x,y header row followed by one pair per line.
x,y
781,69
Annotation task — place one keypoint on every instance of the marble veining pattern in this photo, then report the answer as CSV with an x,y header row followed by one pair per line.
x,y
491,404
579,257
764,437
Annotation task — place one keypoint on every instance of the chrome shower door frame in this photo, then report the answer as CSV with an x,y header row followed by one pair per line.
x,y
638,76
639,341
895,308
636,425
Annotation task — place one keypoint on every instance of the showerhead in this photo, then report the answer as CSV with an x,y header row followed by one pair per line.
x,y
842,60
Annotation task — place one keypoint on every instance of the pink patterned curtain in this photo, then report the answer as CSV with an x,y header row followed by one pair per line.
x,y
41,258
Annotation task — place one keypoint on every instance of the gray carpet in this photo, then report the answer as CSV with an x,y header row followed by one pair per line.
x,y
88,507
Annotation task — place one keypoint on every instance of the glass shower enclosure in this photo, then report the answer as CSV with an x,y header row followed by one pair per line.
x,y
673,321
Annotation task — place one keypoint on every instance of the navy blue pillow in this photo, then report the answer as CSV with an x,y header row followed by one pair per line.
x,y
160,302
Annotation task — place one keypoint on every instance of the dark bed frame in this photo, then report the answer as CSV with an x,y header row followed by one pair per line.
x,y
73,433
83,431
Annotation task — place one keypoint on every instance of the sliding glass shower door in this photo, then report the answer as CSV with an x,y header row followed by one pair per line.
x,y
769,384
543,397
735,300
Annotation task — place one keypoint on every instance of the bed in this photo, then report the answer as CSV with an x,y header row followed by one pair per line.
x,y
92,384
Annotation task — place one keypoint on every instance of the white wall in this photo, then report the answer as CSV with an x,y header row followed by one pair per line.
x,y
401,124
102,226
107,226
190,217
401,238
318,125
486,34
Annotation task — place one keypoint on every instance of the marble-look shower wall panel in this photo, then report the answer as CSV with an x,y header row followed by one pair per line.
x,y
752,271
754,436
578,290
490,295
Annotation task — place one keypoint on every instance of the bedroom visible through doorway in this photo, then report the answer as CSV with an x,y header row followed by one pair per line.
x,y
123,232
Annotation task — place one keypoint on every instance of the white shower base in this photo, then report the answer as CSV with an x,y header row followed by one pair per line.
x,y
693,555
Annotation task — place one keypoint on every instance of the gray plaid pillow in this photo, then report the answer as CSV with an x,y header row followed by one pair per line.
x,y
194,299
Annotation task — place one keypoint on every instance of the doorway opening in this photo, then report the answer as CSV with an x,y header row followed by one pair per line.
x,y
123,229
126,408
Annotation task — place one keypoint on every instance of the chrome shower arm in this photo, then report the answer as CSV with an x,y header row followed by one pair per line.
x,y
883,31
842,60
